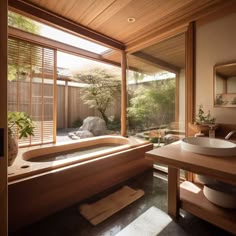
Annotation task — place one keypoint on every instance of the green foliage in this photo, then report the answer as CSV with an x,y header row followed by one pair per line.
x,y
153,104
12,71
21,68
201,118
114,125
102,88
219,100
234,101
22,122
22,22
154,140
142,104
77,123
137,76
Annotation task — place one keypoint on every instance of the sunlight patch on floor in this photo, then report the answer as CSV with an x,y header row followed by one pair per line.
x,y
150,223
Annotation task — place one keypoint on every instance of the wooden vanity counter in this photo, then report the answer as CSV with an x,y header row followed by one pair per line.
x,y
221,168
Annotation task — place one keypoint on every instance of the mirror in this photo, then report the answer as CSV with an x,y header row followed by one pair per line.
x,y
225,85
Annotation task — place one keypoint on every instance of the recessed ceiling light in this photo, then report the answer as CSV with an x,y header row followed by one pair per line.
x,y
131,19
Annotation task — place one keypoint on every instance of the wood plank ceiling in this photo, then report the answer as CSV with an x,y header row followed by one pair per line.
x,y
152,18
157,57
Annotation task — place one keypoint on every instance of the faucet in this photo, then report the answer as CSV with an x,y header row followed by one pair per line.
x,y
230,134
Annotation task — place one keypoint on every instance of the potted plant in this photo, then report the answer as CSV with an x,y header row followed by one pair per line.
x,y
203,122
21,123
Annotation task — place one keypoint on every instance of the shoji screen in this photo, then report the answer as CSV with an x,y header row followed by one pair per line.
x,y
31,81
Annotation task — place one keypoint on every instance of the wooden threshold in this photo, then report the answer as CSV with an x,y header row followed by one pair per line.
x,y
197,204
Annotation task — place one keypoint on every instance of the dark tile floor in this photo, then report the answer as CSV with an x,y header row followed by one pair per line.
x,y
70,223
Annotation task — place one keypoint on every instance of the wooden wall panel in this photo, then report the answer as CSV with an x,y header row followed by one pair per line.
x,y
77,109
3,117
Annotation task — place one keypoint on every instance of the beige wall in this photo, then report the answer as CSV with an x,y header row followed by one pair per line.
x,y
215,44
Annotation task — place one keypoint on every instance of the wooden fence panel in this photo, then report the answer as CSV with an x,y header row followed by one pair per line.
x,y
76,107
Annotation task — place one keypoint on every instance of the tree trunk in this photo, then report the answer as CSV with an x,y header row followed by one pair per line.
x,y
105,118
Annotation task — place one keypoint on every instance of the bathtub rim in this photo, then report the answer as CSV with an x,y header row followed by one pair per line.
x,y
38,168
68,146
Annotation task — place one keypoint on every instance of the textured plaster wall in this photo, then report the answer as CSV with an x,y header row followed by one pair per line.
x,y
215,44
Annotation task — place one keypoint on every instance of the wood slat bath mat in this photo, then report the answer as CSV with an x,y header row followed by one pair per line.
x,y
99,211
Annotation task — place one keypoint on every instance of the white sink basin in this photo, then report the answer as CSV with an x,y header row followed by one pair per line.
x,y
221,194
209,146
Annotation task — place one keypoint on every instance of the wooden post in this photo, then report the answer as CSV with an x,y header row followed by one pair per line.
x,y
55,98
173,192
123,93
177,98
189,80
190,75
3,117
66,105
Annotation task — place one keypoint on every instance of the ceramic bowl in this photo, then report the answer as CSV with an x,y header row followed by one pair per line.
x,y
221,194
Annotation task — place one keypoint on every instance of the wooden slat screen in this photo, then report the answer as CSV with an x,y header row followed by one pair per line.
x,y
31,85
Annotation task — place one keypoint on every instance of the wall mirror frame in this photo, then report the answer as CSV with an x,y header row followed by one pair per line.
x,y
225,85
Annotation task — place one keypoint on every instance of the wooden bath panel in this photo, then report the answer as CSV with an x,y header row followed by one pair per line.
x,y
46,193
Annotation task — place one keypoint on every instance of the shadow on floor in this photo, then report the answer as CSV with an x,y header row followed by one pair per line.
x,y
70,223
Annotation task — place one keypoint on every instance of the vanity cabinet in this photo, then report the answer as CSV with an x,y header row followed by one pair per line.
x,y
189,196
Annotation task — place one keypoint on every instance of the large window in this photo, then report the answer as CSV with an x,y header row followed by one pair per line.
x,y
87,88
156,94
31,76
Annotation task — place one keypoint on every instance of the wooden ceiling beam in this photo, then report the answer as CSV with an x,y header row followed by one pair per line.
x,y
157,62
20,34
58,21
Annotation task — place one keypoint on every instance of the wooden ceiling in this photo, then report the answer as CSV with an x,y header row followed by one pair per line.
x,y
166,55
171,50
108,19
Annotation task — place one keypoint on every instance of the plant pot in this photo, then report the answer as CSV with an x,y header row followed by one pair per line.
x,y
12,149
204,128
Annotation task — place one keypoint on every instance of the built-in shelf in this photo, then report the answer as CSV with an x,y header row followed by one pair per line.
x,y
223,169
197,204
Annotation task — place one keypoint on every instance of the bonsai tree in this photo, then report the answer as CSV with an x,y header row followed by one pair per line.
x,y
17,122
101,91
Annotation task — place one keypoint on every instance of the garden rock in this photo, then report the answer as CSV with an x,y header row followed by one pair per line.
x,y
95,125
84,134
73,136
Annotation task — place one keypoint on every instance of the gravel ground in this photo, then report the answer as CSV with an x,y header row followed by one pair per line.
x,y
62,134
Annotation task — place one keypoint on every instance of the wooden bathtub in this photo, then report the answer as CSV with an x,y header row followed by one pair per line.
x,y
37,189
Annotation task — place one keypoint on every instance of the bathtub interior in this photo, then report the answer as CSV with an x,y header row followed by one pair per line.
x,y
40,159
76,153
